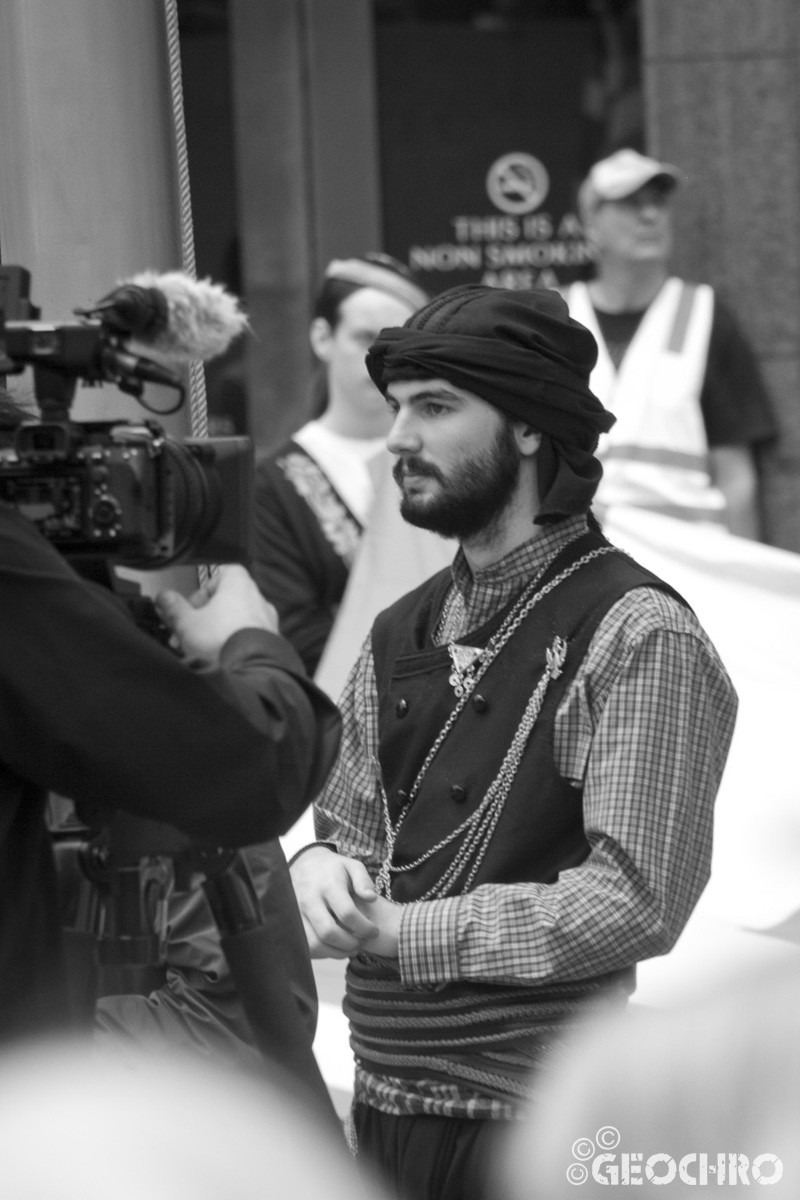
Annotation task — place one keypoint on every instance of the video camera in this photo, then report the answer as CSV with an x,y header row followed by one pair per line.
x,y
121,491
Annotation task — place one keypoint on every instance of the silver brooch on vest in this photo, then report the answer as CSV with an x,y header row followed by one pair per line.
x,y
466,660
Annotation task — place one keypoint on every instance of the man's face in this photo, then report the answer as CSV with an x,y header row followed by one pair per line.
x,y
458,462
636,229
362,315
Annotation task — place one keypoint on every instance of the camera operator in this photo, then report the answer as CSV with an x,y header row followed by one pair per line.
x,y
91,707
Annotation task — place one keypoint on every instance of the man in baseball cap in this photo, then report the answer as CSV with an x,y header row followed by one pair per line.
x,y
622,174
690,406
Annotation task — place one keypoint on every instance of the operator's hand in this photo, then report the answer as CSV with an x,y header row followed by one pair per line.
x,y
201,625
334,895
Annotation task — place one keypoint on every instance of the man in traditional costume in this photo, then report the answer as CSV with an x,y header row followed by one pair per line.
x,y
532,744
673,366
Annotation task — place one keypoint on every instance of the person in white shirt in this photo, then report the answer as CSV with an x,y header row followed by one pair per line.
x,y
313,496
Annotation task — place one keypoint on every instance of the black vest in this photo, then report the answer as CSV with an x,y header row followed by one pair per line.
x,y
480,1036
540,831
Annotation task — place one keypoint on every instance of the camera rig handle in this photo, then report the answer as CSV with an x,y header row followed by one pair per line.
x,y
251,941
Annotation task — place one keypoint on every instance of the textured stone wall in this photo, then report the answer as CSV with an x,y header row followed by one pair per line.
x,y
721,88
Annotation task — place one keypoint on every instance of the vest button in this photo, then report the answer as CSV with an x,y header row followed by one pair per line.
x,y
459,794
402,797
401,708
480,703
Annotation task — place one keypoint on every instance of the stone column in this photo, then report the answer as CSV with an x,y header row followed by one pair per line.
x,y
275,203
89,187
722,103
304,113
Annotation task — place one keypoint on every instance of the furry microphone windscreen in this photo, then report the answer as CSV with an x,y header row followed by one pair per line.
x,y
202,317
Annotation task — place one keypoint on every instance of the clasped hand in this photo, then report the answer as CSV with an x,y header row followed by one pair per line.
x,y
201,625
341,910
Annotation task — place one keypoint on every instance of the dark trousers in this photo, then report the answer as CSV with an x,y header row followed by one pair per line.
x,y
427,1158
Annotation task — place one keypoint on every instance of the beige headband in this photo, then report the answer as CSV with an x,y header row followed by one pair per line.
x,y
367,274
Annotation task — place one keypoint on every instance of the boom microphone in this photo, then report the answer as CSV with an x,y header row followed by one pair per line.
x,y
173,314
127,370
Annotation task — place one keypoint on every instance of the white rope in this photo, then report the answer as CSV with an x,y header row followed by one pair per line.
x,y
198,408
198,411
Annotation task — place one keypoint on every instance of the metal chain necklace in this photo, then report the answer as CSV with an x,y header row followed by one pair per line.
x,y
480,826
466,660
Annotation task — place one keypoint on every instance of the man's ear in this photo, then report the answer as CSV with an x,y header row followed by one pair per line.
x,y
320,335
528,439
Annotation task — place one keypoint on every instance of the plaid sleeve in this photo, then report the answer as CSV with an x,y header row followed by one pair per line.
x,y
349,811
646,727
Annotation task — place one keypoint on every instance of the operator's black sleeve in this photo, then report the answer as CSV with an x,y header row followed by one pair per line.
x,y
93,708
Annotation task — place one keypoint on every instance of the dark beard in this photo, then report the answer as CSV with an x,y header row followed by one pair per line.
x,y
472,498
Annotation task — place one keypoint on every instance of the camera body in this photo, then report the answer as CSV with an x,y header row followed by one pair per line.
x,y
127,492
120,490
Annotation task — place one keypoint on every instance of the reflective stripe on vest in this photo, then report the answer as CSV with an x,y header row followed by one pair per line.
x,y
656,455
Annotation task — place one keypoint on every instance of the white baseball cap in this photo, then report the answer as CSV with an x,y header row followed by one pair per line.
x,y
622,174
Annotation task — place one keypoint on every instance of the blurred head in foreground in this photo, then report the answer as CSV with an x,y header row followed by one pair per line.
x,y
78,1123
671,1104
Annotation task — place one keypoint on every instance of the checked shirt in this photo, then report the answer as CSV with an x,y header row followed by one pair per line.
x,y
644,728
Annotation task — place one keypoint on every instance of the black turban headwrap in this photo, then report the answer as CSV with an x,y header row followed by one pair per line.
x,y
523,353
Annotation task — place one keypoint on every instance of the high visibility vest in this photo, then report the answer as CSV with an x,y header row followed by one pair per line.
x,y
656,455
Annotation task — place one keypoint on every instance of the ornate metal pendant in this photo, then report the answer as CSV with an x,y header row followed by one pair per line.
x,y
465,661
